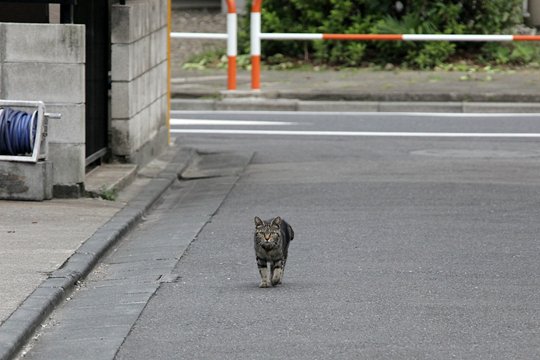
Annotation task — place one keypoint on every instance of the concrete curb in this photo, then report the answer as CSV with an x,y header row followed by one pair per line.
x,y
264,104
19,327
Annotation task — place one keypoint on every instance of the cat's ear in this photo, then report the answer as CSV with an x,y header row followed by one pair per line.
x,y
276,221
258,221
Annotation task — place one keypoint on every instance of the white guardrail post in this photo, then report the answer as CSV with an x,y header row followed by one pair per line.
x,y
255,44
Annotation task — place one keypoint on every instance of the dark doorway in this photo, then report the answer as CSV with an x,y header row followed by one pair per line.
x,y
95,14
24,13
34,11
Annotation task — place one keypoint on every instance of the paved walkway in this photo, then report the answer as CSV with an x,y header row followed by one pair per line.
x,y
363,90
46,247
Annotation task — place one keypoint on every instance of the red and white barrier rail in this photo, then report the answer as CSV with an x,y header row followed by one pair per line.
x,y
397,37
257,36
230,36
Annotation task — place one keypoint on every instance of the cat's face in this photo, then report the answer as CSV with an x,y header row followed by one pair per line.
x,y
267,233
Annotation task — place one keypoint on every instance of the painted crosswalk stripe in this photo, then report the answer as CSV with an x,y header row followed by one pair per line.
x,y
213,122
355,133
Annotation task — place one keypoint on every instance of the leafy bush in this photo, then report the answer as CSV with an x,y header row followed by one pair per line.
x,y
510,53
391,17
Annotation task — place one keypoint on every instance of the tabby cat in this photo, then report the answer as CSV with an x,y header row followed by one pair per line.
x,y
272,240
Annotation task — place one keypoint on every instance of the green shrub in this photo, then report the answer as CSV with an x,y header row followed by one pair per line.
x,y
382,17
511,53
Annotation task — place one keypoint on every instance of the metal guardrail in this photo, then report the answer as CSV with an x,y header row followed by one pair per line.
x,y
257,36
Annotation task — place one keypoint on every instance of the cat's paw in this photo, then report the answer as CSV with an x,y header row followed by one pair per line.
x,y
277,276
264,284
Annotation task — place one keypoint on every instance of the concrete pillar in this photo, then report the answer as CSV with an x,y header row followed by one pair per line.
x,y
139,80
534,11
46,62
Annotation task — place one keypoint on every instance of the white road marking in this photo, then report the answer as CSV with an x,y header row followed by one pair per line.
x,y
435,116
355,133
204,122
331,113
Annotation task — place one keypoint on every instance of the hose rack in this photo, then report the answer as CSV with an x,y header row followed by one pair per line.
x,y
40,142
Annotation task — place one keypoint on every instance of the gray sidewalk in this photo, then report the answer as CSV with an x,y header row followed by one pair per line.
x,y
45,248
362,90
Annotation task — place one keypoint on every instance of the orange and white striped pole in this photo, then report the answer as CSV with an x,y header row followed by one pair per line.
x,y
230,37
256,44
232,30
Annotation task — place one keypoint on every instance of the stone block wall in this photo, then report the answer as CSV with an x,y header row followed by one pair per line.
x,y
195,20
139,80
241,6
47,62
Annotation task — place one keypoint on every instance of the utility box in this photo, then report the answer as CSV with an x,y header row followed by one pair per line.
x,y
534,13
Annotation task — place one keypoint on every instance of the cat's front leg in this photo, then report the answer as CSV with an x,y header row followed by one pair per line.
x,y
277,273
263,271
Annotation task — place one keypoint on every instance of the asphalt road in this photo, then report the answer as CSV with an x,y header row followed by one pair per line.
x,y
416,238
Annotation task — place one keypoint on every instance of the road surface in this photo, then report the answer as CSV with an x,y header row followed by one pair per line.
x,y
416,238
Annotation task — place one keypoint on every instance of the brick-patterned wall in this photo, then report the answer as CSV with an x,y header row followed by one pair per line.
x,y
195,20
139,80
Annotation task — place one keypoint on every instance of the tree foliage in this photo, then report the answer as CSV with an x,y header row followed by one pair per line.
x,y
391,17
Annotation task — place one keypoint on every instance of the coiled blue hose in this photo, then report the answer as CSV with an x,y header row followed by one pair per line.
x,y
17,131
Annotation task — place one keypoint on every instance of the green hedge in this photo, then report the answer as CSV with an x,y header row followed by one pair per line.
x,y
378,17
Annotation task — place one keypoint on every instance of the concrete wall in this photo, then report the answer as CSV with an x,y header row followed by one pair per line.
x,y
47,62
241,6
195,20
139,80
208,4
534,11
